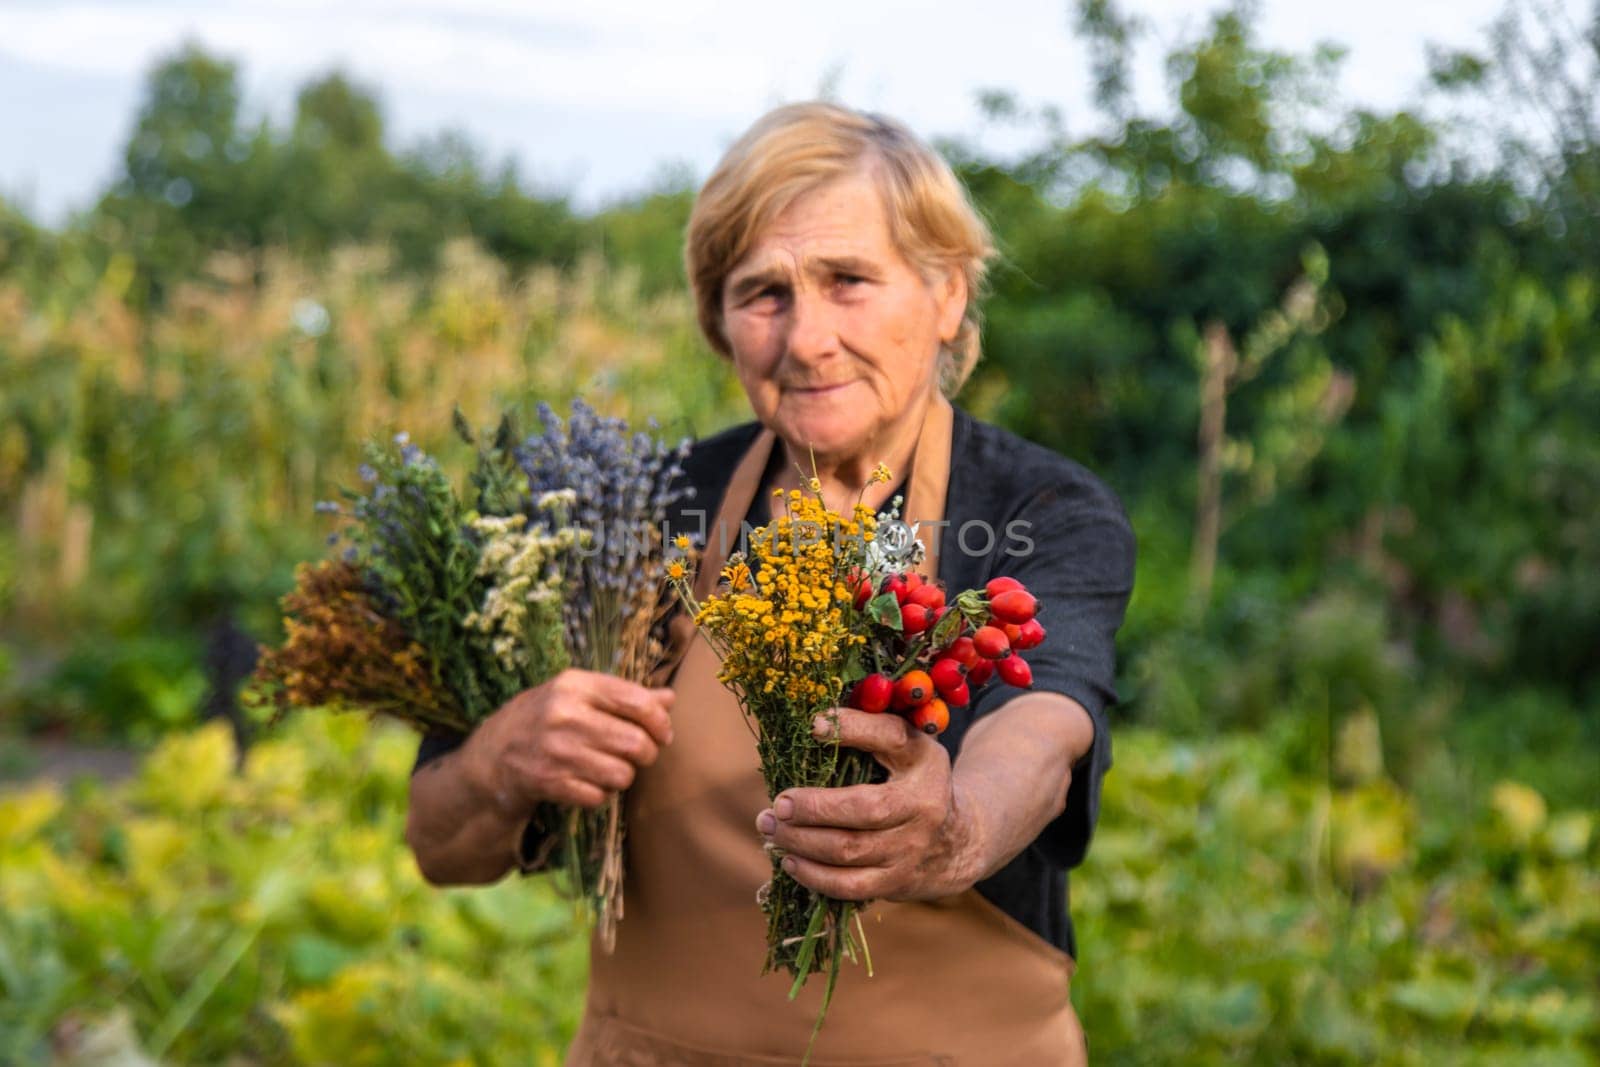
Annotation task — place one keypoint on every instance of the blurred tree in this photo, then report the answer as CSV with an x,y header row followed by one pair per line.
x,y
1111,35
334,174
179,195
197,179
1124,248
21,242
645,233
184,130
1537,89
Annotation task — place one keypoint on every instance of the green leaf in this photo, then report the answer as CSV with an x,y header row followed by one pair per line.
x,y
313,959
946,629
1440,999
884,610
854,667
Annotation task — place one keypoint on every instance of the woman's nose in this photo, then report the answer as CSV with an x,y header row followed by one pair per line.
x,y
813,330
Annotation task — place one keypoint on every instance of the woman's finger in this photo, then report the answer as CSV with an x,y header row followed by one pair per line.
x,y
841,883
851,807
622,738
577,792
836,848
602,769
890,738
628,700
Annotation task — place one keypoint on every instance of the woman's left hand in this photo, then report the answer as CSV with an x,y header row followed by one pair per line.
x,y
909,838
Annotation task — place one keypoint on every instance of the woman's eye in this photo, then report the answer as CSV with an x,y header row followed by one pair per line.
x,y
848,280
766,294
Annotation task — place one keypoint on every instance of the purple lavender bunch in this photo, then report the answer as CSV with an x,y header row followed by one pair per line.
x,y
622,485
625,483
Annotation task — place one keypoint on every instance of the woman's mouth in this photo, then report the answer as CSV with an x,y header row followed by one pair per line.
x,y
818,390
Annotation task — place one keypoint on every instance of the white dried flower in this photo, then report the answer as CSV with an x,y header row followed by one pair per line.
x,y
524,566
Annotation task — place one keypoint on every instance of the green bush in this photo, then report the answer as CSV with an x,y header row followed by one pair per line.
x,y
1233,910
271,916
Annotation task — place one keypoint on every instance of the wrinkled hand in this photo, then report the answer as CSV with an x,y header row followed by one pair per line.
x,y
904,839
575,739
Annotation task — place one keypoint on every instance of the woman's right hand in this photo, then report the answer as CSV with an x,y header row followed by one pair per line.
x,y
575,739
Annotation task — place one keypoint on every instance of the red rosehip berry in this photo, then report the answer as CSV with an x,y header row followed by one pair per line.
x,y
991,642
1029,635
959,697
1013,605
946,674
980,673
914,618
964,652
932,717
862,590
929,596
1014,670
913,690
872,693
996,586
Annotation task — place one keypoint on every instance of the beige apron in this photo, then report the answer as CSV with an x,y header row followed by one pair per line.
x,y
956,981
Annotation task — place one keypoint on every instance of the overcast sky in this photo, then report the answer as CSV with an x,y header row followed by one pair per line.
x,y
595,98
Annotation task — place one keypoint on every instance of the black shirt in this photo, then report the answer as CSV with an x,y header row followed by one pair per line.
x,y
1013,508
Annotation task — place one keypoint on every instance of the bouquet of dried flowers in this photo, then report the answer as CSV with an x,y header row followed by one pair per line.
x,y
405,599
621,485
443,605
824,611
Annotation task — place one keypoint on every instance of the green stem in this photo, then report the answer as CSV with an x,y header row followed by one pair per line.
x,y
808,945
822,1012
205,984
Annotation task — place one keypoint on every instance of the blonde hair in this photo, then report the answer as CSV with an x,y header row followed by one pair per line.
x,y
795,149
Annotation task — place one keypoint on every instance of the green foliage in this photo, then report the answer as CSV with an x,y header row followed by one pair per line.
x,y
1239,913
1487,478
196,179
135,688
159,467
646,235
1235,911
272,916
1428,440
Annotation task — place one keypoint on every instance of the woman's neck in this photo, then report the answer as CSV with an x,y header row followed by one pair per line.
x,y
843,477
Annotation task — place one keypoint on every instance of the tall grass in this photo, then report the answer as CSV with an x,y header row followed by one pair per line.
x,y
157,467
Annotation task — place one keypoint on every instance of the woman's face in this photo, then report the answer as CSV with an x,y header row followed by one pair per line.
x,y
834,335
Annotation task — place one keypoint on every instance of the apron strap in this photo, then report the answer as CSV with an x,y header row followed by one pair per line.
x,y
930,480
925,498
724,533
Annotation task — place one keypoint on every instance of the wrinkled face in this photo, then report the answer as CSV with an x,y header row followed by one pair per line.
x,y
834,334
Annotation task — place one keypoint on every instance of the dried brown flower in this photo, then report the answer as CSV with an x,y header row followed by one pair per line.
x,y
340,651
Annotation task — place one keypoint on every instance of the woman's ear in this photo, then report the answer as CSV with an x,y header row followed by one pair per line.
x,y
951,294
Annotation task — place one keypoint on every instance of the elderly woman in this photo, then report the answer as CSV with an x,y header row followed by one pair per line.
x,y
834,260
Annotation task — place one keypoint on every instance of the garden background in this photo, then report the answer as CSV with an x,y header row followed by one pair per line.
x,y
1342,365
